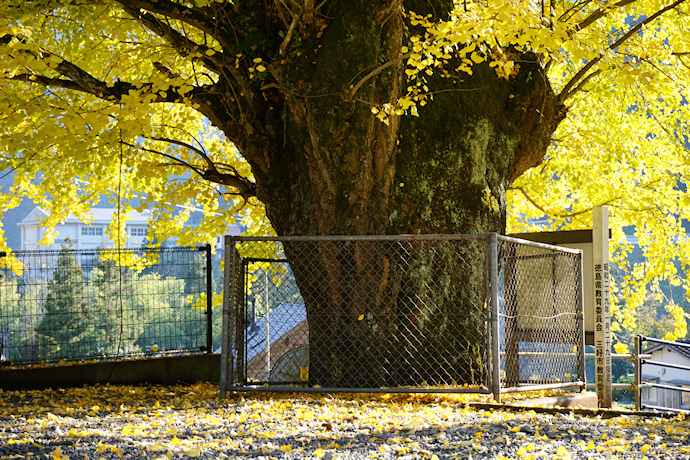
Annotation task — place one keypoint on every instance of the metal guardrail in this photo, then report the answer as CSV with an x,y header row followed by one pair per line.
x,y
636,385
646,361
640,359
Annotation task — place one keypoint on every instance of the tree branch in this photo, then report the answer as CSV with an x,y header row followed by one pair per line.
x,y
100,89
196,17
245,187
563,215
288,36
574,8
598,14
568,90
188,146
219,63
585,80
77,79
175,161
182,44
50,82
380,68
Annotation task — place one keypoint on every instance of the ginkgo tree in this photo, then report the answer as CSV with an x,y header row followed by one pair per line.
x,y
359,117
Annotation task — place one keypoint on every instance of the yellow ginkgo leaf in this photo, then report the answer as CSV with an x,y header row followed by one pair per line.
x,y
58,455
193,452
562,453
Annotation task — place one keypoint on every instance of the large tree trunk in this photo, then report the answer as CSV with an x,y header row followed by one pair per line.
x,y
327,166
393,312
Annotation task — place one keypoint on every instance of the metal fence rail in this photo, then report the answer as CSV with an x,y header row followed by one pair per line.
x,y
75,305
454,313
660,391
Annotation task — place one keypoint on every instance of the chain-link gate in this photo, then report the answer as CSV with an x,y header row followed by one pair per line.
x,y
441,313
540,310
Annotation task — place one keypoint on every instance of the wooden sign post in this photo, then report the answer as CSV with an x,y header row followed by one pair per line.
x,y
602,306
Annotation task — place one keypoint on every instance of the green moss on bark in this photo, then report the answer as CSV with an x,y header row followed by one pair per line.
x,y
333,168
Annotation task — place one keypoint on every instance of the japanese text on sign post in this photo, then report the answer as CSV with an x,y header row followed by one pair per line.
x,y
602,307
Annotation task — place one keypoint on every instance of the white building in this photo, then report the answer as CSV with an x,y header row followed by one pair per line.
x,y
82,235
93,236
668,377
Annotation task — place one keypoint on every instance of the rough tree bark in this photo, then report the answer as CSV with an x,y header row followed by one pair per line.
x,y
331,168
324,165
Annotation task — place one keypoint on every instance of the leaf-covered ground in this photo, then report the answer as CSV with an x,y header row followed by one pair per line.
x,y
192,421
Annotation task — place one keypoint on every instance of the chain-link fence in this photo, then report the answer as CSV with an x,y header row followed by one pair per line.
x,y
540,313
76,305
451,313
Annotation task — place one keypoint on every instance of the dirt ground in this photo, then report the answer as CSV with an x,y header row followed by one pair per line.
x,y
192,421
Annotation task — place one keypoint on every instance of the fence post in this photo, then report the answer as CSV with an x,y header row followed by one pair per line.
x,y
582,368
267,326
3,347
209,300
228,322
638,373
495,332
602,324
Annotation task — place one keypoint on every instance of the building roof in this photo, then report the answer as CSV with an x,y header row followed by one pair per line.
x,y
281,320
682,347
100,216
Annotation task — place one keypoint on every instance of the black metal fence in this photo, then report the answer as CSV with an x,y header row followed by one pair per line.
x,y
457,313
77,305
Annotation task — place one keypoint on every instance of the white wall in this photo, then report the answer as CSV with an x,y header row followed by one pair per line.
x,y
29,237
93,237
667,376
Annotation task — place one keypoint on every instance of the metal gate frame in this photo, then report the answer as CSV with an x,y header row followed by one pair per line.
x,y
232,352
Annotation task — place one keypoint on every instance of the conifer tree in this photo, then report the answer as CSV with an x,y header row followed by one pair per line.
x,y
67,328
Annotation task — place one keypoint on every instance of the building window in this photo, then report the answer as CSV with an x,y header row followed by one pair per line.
x,y
96,230
685,398
650,395
137,231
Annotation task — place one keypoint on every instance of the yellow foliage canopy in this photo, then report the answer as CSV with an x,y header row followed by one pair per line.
x,y
114,97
